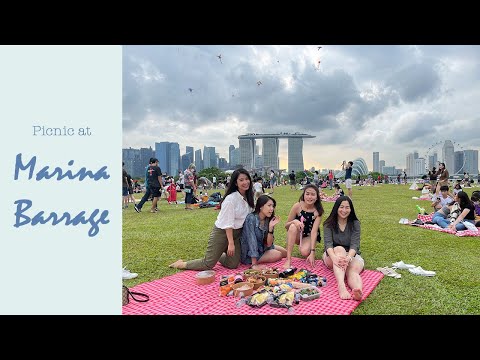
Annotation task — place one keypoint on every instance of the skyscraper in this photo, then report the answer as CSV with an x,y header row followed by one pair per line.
x,y
433,161
295,154
448,156
376,161
471,161
230,159
247,151
198,160
458,161
270,152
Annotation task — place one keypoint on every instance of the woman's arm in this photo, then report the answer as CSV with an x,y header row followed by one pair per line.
x,y
248,236
291,216
355,238
460,217
271,225
315,231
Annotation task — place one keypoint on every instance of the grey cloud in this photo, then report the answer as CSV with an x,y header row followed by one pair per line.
x,y
326,103
416,82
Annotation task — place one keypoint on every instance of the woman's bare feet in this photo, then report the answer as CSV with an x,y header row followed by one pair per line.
x,y
179,264
344,294
357,294
286,265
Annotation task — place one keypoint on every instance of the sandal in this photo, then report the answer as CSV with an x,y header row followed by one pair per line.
x,y
389,272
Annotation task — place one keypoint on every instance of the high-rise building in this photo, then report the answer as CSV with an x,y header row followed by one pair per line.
x,y
131,158
410,164
247,151
162,153
189,151
295,154
381,164
209,157
198,160
388,170
235,158
433,161
270,152
471,162
448,155
230,160
376,161
458,161
418,168
270,149
222,163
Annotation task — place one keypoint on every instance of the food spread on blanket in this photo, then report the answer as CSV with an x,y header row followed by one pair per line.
x,y
281,292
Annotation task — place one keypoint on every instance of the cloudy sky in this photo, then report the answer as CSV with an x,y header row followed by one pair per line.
x,y
356,100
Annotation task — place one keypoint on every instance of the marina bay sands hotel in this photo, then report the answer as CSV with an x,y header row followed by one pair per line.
x,y
270,150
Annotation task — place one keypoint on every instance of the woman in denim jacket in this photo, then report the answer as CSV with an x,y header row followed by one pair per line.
x,y
257,236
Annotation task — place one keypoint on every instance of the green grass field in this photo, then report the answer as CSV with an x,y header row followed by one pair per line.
x,y
152,241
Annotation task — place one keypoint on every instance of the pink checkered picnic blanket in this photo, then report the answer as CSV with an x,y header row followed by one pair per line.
x,y
332,198
435,227
179,294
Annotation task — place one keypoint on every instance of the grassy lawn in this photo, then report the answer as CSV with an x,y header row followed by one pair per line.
x,y
152,241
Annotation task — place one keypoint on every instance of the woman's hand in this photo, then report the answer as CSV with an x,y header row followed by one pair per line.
x,y
274,221
342,262
311,259
230,249
298,224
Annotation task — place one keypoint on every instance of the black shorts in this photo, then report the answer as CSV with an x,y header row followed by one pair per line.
x,y
155,191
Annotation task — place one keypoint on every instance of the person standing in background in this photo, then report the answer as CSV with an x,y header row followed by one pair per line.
x,y
146,196
348,167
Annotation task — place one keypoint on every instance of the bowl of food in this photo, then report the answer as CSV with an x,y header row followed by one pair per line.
x,y
205,277
245,288
270,273
257,281
251,272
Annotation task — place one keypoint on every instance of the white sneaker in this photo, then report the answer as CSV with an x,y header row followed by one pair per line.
x,y
127,275
401,265
419,271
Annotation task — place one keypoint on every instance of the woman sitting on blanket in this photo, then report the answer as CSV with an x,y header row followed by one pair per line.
x,y
467,213
303,224
257,235
338,190
475,197
341,233
224,242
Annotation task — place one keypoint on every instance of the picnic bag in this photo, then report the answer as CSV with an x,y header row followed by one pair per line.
x,y
127,294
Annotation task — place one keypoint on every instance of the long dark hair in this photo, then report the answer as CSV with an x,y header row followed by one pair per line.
x,y
332,220
440,171
262,200
318,202
465,201
232,187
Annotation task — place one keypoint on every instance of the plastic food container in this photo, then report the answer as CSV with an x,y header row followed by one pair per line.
x,y
205,277
308,294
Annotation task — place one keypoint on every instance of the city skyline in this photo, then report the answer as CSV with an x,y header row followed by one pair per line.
x,y
357,100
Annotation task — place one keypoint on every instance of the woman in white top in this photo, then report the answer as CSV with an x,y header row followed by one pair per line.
x,y
224,242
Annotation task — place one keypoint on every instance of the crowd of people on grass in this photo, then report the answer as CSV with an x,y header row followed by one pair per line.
x,y
244,230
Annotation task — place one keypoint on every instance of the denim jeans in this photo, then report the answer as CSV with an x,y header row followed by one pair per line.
x,y
441,221
145,197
